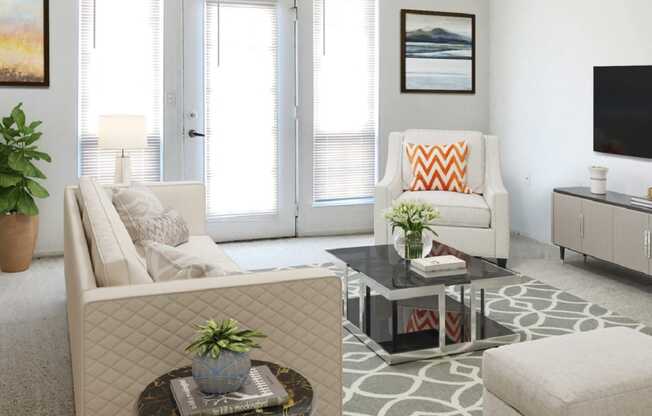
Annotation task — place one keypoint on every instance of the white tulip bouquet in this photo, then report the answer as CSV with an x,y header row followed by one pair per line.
x,y
413,217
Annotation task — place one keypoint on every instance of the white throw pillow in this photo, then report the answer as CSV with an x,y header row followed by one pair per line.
x,y
165,263
146,219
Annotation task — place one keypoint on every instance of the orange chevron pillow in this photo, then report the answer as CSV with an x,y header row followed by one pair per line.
x,y
439,167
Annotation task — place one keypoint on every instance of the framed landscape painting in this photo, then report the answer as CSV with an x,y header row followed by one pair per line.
x,y
437,52
24,43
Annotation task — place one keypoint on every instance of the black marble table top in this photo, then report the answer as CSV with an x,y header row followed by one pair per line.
x,y
383,264
157,400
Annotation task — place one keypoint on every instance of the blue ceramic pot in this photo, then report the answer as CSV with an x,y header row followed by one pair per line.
x,y
224,375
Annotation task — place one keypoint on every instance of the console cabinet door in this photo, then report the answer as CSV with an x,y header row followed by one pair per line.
x,y
567,214
629,239
598,230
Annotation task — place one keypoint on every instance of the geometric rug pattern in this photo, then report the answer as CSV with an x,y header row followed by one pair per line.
x,y
452,386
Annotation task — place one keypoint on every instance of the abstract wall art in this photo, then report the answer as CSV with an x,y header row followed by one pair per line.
x,y
24,43
437,52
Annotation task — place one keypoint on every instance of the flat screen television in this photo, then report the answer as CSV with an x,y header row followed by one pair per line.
x,y
622,110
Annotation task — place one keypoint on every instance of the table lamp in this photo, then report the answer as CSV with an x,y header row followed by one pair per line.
x,y
122,132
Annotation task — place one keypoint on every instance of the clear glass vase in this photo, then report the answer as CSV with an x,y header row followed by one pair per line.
x,y
413,244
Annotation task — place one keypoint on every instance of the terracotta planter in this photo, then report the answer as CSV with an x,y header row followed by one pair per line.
x,y
17,242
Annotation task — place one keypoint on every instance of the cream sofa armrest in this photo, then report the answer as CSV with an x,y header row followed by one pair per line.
x,y
132,335
389,188
497,197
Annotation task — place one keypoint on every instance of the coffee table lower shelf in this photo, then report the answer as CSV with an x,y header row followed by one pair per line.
x,y
407,330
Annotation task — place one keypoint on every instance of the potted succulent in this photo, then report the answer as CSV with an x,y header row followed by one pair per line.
x,y
410,221
18,188
221,363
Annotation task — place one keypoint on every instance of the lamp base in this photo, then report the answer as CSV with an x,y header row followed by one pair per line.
x,y
122,169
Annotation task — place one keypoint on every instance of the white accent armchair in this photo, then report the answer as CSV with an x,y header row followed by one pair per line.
x,y
477,224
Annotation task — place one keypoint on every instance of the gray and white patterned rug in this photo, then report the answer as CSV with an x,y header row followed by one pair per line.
x,y
452,386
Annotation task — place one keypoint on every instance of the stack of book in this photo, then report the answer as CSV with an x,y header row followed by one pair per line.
x,y
261,390
642,202
439,266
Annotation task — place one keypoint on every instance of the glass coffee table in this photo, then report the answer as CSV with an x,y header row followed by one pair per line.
x,y
404,317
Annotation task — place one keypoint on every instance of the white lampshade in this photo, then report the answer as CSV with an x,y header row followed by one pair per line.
x,y
122,132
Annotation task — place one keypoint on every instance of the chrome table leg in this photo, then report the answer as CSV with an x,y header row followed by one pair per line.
x,y
442,319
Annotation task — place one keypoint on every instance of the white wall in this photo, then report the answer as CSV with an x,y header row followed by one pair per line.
x,y
56,106
399,111
542,59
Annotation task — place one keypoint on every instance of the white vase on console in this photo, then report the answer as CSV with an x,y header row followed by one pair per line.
x,y
598,180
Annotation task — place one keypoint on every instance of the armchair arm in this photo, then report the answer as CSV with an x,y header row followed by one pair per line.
x,y
132,335
497,197
389,188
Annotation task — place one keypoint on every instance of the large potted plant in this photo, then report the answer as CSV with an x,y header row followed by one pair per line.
x,y
18,188
221,363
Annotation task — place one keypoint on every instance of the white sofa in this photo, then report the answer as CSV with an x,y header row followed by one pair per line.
x,y
124,337
477,224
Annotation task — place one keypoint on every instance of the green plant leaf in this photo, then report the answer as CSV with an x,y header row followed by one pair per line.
x,y
34,172
20,164
8,199
8,122
4,200
35,124
39,155
238,347
31,138
9,134
8,180
36,189
26,204
18,115
17,162
215,352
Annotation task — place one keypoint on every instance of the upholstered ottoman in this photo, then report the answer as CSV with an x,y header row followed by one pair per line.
x,y
606,372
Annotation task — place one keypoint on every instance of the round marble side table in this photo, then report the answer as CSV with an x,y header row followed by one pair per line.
x,y
157,400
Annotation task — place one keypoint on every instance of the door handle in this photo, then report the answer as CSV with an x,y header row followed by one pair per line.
x,y
195,133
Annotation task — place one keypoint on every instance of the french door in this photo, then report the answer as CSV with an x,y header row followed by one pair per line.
x,y
280,98
239,121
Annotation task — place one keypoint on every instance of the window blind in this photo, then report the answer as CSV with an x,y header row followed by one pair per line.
x,y
120,72
345,100
241,105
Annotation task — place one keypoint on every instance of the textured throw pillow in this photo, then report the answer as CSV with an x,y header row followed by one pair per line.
x,y
439,167
168,228
146,219
165,263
